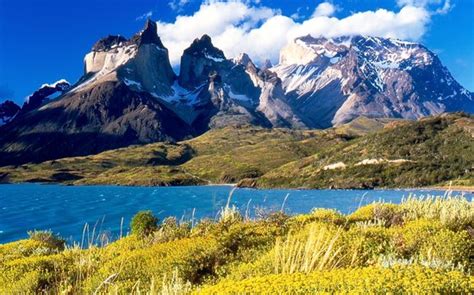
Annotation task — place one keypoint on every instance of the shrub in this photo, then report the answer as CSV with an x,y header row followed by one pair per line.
x,y
47,237
449,248
194,259
144,223
409,239
170,230
23,248
204,227
35,274
363,246
229,215
328,215
370,280
387,214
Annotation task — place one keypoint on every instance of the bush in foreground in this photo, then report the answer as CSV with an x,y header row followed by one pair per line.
x,y
144,223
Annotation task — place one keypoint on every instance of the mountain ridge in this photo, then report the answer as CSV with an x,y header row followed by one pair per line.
x,y
129,92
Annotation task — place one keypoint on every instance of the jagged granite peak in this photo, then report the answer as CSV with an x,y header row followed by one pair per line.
x,y
109,42
274,105
203,47
370,76
267,65
45,93
149,35
243,59
198,60
8,111
236,91
142,63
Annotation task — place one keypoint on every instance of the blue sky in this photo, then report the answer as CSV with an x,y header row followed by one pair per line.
x,y
42,41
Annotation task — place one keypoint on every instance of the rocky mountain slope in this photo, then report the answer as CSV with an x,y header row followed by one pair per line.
x,y
8,111
332,81
129,93
112,105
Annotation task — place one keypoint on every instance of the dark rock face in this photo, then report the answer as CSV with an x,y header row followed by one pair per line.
x,y
148,35
8,110
108,43
107,116
40,96
198,61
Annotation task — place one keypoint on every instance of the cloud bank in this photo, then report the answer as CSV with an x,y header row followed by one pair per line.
x,y
244,26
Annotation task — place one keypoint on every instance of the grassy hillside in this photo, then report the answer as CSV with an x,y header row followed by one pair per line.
x,y
434,150
382,248
219,156
363,153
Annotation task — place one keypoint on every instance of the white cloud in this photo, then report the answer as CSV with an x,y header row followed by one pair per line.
x,y
433,6
145,15
241,26
178,4
324,9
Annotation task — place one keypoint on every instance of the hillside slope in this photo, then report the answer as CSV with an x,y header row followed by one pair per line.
x,y
365,153
433,150
219,156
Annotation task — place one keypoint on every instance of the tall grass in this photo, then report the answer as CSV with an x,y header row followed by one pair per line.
x,y
175,285
452,211
317,251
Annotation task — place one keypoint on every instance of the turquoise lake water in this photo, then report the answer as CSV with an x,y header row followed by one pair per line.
x,y
108,209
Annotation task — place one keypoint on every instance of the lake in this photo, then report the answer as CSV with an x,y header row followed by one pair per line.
x,y
108,209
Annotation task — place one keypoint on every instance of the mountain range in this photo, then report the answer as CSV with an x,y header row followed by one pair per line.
x,y
129,93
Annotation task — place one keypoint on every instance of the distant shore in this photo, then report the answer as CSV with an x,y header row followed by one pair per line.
x,y
461,188
452,188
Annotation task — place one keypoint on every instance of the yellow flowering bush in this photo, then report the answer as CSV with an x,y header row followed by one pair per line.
x,y
371,280
192,257
388,213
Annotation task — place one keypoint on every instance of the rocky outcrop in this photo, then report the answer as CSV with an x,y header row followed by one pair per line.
x,y
8,111
141,62
44,94
333,81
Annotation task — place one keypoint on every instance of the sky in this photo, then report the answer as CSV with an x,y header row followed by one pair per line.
x,y
42,41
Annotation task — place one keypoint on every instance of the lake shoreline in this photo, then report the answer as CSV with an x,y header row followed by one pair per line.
x,y
457,188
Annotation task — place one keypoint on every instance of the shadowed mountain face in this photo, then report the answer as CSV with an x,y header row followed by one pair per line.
x,y
104,117
8,111
129,93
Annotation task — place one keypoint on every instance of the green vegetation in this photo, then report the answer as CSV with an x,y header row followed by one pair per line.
x,y
144,223
219,156
366,153
423,245
47,237
432,151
